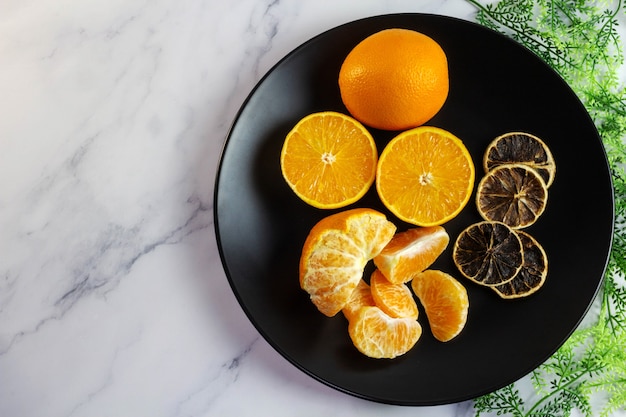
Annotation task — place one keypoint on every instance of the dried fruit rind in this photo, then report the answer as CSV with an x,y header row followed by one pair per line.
x,y
488,253
522,148
513,194
533,273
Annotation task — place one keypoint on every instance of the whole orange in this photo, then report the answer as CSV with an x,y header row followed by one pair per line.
x,y
395,79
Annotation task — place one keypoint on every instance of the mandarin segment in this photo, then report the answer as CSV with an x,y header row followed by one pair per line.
x,y
394,299
411,252
329,160
445,301
394,79
425,176
361,297
335,253
377,335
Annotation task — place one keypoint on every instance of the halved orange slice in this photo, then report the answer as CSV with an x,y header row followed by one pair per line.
x,y
329,160
425,176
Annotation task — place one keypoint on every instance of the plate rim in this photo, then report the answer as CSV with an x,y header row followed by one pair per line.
x,y
218,233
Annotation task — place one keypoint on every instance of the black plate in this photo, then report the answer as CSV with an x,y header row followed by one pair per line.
x,y
496,86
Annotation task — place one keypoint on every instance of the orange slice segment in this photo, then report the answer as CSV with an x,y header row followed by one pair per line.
x,y
335,253
361,297
329,160
445,301
425,176
411,252
394,299
378,335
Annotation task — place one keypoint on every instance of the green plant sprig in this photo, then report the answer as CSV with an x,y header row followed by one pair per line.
x,y
579,39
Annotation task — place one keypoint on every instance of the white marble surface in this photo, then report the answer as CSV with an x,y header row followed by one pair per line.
x,y
113,301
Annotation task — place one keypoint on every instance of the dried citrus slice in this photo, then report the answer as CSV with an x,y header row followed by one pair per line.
x,y
522,148
335,253
445,301
513,194
411,252
425,176
361,297
377,335
394,299
533,273
488,253
329,160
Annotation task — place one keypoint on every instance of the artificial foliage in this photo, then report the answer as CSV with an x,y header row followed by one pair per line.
x,y
581,41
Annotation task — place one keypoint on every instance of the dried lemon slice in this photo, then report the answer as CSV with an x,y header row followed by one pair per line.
x,y
533,273
522,148
488,253
513,194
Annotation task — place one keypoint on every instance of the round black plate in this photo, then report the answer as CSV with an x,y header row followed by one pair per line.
x,y
496,86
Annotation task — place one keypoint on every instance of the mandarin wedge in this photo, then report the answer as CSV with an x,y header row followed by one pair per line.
x,y
335,253
445,301
361,297
394,299
329,160
377,335
425,176
411,252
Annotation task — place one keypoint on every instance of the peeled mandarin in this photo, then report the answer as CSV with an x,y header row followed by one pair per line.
x,y
335,253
